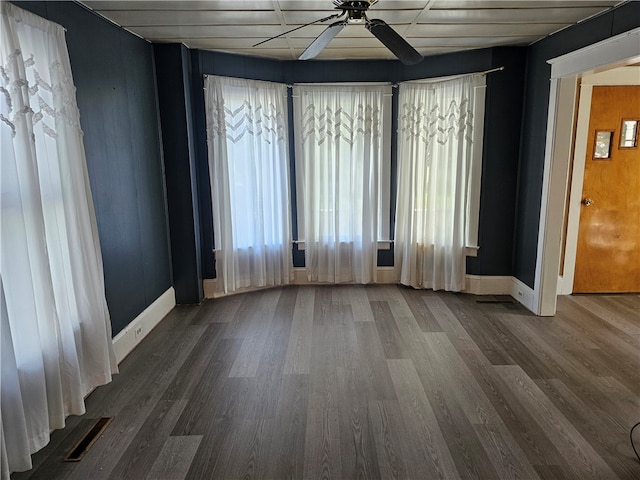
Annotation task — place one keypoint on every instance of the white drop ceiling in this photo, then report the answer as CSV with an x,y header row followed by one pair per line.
x,y
430,26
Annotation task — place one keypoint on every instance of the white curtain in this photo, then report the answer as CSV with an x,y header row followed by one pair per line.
x,y
247,138
342,165
435,167
56,331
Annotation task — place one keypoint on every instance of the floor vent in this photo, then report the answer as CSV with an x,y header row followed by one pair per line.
x,y
492,299
87,441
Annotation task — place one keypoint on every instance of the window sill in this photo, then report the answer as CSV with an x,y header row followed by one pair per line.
x,y
382,244
386,245
471,251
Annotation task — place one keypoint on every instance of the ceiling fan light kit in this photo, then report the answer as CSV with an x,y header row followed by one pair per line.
x,y
355,12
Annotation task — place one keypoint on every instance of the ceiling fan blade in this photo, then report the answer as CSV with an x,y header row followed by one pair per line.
x,y
322,40
394,42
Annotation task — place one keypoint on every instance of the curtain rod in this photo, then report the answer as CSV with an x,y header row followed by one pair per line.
x,y
341,84
449,77
485,72
291,85
498,69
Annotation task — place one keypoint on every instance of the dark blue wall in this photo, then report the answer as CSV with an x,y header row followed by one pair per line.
x,y
501,149
174,91
501,138
114,75
536,105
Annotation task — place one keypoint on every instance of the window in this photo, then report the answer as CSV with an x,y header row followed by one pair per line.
x,y
343,177
54,321
475,168
439,154
248,166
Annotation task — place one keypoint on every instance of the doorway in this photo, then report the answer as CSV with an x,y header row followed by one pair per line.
x,y
608,250
621,50
629,75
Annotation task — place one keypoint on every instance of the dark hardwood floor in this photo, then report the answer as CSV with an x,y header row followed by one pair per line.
x,y
351,382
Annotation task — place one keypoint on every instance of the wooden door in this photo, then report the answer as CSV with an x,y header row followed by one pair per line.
x,y
608,252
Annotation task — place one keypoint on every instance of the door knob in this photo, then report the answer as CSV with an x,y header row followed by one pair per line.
x,y
587,202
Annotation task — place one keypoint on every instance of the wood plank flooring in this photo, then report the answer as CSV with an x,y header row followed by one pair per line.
x,y
369,382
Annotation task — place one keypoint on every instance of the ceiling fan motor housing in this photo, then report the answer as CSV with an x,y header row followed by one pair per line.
x,y
353,5
355,10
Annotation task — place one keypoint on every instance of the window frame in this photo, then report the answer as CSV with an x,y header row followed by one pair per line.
x,y
385,214
475,183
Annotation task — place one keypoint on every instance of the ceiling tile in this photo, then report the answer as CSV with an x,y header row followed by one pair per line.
x,y
471,42
479,30
522,3
180,5
128,18
507,15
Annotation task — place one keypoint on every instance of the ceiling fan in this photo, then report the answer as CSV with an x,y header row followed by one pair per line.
x,y
354,12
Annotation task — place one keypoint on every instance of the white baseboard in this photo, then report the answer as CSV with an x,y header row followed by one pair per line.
x,y
127,339
475,284
488,285
523,294
385,275
209,288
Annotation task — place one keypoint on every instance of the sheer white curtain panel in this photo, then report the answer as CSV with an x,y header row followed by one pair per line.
x,y
342,175
247,137
435,167
56,331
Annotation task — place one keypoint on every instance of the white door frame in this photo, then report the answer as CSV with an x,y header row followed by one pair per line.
x,y
619,50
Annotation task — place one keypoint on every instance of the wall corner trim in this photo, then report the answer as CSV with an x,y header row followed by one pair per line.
x,y
125,341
